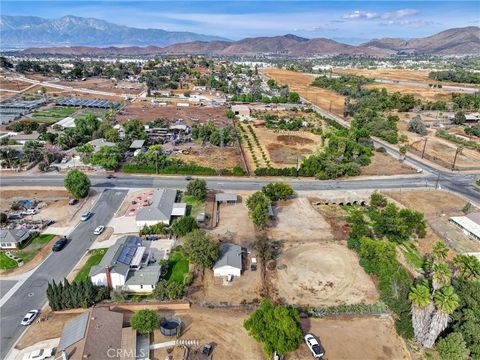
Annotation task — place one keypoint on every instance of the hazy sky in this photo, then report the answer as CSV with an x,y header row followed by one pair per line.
x,y
348,21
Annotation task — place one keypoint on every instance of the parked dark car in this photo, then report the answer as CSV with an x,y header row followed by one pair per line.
x,y
60,244
188,178
111,176
207,350
72,202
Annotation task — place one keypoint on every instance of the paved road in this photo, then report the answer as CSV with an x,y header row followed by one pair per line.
x,y
32,293
5,286
460,183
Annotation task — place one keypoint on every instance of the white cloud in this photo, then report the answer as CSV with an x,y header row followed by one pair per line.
x,y
408,23
398,14
359,14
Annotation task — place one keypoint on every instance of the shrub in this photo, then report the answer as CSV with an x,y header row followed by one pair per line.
x,y
145,321
452,347
184,225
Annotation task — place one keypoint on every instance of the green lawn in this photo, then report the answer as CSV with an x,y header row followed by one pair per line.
x,y
42,239
412,255
6,262
177,267
194,206
95,257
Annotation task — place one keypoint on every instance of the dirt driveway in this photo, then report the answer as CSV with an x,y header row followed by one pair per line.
x,y
358,338
322,274
298,222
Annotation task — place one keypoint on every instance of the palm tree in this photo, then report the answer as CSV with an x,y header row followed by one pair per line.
x,y
439,251
441,274
446,301
422,309
468,266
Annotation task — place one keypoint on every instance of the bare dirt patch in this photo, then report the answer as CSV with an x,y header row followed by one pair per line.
x,y
294,140
322,274
354,338
213,156
146,112
44,330
222,328
15,85
301,83
297,222
285,155
208,289
384,164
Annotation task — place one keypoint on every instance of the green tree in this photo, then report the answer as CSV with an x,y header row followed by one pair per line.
x,y
77,184
417,126
452,347
275,326
293,97
134,130
422,310
198,189
468,266
377,201
200,249
108,157
278,191
145,321
183,225
459,118
230,113
258,205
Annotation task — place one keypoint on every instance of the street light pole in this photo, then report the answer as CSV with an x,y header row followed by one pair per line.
x,y
459,149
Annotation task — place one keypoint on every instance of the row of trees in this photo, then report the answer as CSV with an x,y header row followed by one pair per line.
x,y
64,295
456,75
210,133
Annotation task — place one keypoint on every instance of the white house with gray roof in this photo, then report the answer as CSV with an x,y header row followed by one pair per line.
x,y
12,239
229,262
161,210
130,265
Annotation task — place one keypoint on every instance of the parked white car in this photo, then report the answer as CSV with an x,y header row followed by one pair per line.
x,y
315,348
40,354
29,212
29,317
99,230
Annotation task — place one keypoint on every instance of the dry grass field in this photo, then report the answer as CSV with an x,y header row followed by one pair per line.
x,y
107,85
301,83
420,93
213,156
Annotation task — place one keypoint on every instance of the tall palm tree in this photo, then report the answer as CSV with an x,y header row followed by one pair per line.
x,y
468,266
446,301
422,310
441,274
439,251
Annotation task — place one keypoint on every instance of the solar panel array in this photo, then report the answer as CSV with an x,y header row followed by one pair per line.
x,y
126,255
103,104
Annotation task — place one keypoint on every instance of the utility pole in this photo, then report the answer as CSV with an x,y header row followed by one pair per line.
x,y
424,146
156,162
459,150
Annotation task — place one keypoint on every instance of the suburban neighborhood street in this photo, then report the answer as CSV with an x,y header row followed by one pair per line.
x,y
32,293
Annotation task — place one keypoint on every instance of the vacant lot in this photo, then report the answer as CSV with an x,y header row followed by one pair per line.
x,y
297,222
301,83
372,338
423,94
107,85
14,85
384,164
212,156
322,274
146,112
438,207
222,328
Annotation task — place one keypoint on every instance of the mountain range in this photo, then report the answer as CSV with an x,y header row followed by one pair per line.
x,y
17,32
72,35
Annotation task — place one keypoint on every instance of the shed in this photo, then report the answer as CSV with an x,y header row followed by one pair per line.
x,y
229,262
469,224
137,144
226,198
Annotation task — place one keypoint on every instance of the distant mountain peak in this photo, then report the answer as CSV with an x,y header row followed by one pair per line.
x,y
71,30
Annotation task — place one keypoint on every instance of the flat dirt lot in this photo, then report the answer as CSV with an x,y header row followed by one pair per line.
x,y
107,85
298,223
384,164
397,74
15,85
222,328
322,274
208,289
235,225
146,112
301,83
418,92
355,338
213,156
438,207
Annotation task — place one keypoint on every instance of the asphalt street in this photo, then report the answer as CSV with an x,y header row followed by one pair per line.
x,y
32,293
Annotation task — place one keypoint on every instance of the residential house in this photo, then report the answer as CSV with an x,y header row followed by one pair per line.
x,y
230,261
98,334
162,209
130,265
226,198
13,239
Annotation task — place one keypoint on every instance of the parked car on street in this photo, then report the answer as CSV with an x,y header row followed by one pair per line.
x,y
315,348
60,244
99,230
29,317
86,215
